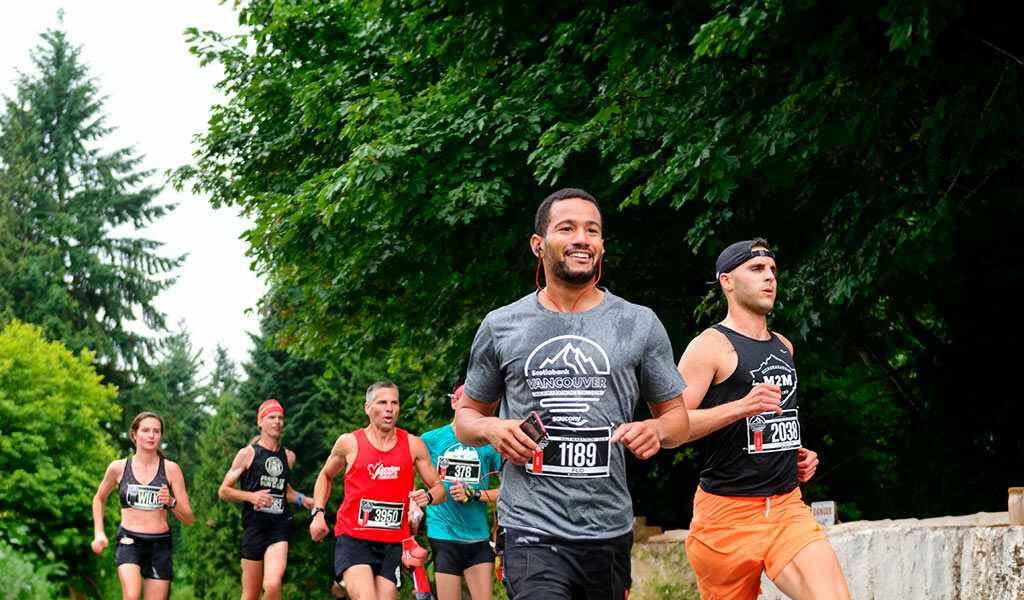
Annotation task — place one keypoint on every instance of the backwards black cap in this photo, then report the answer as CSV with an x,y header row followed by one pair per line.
x,y
734,256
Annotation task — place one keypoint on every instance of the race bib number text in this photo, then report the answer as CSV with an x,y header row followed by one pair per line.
x,y
380,515
769,432
574,452
276,506
458,469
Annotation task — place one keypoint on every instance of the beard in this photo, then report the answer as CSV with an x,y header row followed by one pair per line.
x,y
755,304
561,270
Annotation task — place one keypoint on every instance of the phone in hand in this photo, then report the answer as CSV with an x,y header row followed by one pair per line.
x,y
534,429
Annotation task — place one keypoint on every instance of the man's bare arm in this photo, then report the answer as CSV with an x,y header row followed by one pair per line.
x,y
427,473
698,366
476,425
336,461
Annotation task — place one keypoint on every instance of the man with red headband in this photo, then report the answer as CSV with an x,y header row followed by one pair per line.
x,y
373,521
748,515
264,468
580,358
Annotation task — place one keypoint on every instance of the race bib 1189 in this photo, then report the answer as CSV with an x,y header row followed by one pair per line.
x,y
574,452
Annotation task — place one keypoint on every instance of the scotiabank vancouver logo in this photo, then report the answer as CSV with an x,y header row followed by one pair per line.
x,y
379,471
567,374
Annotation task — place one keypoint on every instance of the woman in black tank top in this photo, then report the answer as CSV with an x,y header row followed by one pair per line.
x,y
149,487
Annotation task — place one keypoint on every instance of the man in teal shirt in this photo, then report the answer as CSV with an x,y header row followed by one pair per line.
x,y
457,529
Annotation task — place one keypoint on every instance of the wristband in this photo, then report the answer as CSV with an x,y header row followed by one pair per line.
x,y
430,498
472,494
299,501
739,405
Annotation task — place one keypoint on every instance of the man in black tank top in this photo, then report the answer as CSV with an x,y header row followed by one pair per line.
x,y
741,396
264,468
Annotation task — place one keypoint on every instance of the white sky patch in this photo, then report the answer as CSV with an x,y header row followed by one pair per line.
x,y
158,97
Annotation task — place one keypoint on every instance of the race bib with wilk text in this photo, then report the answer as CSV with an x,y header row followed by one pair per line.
x,y
143,497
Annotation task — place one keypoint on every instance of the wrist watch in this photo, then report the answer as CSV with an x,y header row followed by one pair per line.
x,y
174,502
315,510
430,497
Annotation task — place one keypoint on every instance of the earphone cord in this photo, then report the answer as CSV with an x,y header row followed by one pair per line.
x,y
573,309
542,290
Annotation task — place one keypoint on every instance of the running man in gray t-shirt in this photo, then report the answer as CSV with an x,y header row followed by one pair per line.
x,y
581,358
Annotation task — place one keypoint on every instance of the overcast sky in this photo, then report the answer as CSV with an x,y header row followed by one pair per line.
x,y
158,97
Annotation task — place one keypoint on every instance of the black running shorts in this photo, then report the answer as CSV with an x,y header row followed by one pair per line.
x,y
547,568
153,552
454,557
384,558
257,538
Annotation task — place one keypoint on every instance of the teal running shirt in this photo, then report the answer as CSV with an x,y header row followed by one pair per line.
x,y
459,521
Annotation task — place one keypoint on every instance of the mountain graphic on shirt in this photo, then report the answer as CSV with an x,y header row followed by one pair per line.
x,y
572,357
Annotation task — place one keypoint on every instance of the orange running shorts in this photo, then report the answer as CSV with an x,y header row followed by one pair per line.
x,y
732,539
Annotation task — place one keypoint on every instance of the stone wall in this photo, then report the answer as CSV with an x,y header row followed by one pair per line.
x,y
973,557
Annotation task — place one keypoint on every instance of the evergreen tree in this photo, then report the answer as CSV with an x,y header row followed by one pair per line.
x,y
211,556
224,379
62,197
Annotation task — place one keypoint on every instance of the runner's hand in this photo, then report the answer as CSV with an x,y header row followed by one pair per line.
x,y
509,440
318,529
640,437
457,492
419,497
99,544
763,397
261,499
164,495
806,464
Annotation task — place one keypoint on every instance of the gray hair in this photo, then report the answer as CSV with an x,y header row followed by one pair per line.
x,y
371,392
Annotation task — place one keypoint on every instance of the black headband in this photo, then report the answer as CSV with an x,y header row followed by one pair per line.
x,y
734,256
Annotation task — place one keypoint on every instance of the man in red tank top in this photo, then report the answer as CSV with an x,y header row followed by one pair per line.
x,y
378,462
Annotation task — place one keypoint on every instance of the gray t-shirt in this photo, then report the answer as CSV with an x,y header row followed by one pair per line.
x,y
583,373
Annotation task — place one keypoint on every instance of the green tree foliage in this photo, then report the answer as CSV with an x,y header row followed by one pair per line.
x,y
53,451
212,555
391,155
61,195
21,578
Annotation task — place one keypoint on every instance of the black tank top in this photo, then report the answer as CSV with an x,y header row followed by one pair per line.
x,y
135,495
268,470
756,455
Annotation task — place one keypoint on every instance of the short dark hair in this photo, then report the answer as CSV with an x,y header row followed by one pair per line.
x,y
760,242
371,392
540,222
